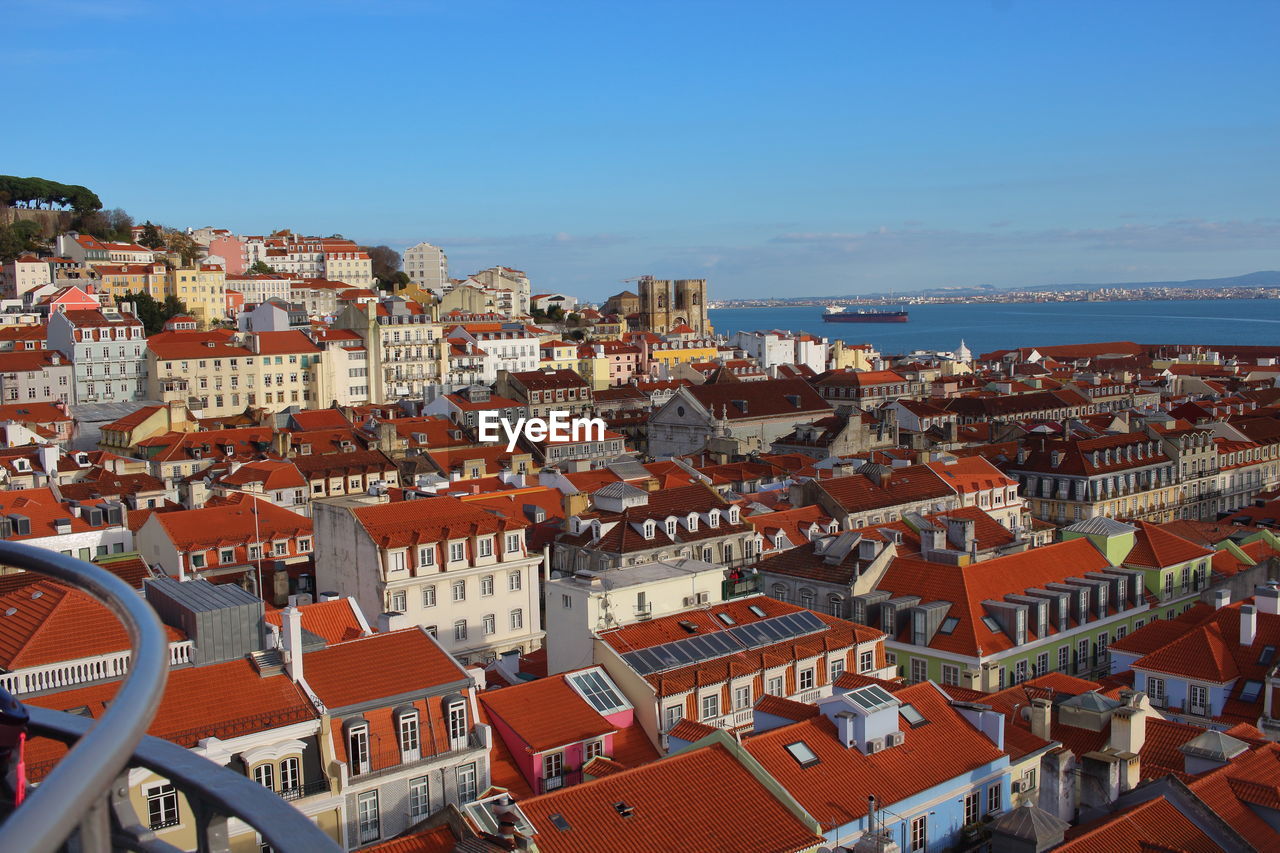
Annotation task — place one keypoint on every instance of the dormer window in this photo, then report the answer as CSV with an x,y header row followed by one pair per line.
x,y
692,521
408,733
733,515
671,527
650,529
713,518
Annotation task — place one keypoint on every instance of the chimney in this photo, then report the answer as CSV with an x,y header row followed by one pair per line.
x,y
1267,599
1248,624
1041,718
291,640
1221,598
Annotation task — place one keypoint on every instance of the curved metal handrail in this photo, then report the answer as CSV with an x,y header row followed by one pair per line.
x,y
280,824
77,783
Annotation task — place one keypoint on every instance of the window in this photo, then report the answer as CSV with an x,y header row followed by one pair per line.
x,y
1019,672
367,811
490,624
460,629
672,715
806,679
427,556
775,686
1250,691
162,806
1155,690
971,808
513,545
399,604
467,783
919,669
265,775
553,765
358,750
409,740
485,546
866,660
486,585
1029,779
919,833
457,551
1064,659
1042,663
1199,699
710,706
950,675
566,602
227,555
514,581
290,775
459,590
594,749
837,669
993,798
742,697
429,596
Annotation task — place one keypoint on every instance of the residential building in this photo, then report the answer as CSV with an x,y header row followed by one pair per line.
x,y
712,664
626,526
427,266
773,349
545,391
107,350
203,289
460,571
44,376
464,407
750,415
622,596
257,289
22,274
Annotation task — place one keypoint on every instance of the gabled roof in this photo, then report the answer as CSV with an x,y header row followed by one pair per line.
x,y
546,713
379,667
333,621
651,809
1154,547
947,748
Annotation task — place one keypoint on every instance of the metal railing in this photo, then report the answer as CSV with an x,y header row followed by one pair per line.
x,y
86,795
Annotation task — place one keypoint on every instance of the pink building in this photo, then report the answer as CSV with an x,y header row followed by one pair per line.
x,y
567,729
231,249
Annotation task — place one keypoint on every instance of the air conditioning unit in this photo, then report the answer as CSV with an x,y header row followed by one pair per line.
x,y
874,745
689,601
1017,786
894,739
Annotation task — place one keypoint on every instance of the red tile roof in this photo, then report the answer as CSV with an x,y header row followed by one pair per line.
x,y
333,621
378,667
1154,547
404,523
947,748
663,811
546,713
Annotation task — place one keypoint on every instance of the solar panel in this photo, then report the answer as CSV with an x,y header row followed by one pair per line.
x,y
702,647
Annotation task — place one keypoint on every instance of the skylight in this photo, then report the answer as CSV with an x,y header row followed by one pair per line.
x,y
726,618
558,821
801,752
599,692
1268,653
1250,691
756,610
992,624
913,717
948,625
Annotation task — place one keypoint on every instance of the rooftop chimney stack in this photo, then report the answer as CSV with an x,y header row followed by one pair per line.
x,y
1248,624
1041,718
291,640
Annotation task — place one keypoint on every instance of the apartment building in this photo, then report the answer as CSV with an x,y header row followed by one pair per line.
x,y
751,414
545,391
427,266
107,348
203,289
461,572
44,376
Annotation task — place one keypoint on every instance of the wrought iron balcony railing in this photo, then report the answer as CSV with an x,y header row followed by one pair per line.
x,y
85,798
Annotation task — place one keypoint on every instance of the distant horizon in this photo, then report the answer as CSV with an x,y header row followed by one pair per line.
x,y
824,148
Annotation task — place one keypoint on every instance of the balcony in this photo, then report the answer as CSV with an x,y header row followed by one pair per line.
x,y
84,802
306,789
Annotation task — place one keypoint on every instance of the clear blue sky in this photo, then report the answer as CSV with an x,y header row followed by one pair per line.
x,y
797,147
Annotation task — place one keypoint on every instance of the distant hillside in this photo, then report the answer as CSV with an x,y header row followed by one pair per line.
x,y
1264,278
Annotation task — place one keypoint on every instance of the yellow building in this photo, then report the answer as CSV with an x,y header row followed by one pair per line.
x,y
851,356
670,353
203,289
558,355
594,368
120,279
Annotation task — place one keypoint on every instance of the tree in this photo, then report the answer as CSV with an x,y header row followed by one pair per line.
x,y
183,245
151,236
153,314
18,239
386,263
260,268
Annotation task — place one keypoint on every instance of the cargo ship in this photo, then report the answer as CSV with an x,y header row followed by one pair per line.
x,y
837,314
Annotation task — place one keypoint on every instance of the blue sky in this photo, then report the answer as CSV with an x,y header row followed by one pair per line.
x,y
773,148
